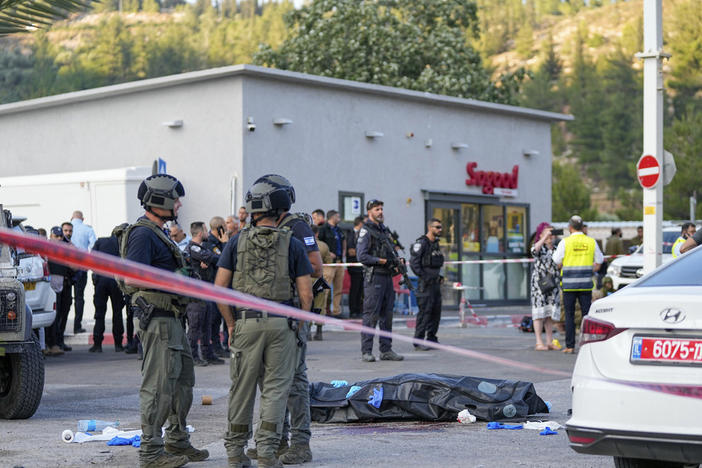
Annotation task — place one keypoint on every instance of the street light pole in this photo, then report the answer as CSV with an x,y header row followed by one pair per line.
x,y
653,56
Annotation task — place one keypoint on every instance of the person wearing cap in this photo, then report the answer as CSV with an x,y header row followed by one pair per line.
x,y
373,251
579,257
168,374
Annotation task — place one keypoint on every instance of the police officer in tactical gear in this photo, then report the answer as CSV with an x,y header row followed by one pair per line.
x,y
426,262
374,252
267,262
203,263
297,416
168,376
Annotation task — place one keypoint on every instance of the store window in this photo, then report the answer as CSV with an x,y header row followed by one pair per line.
x,y
493,229
516,229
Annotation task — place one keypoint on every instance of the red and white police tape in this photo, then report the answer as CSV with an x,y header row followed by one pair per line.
x,y
147,276
467,262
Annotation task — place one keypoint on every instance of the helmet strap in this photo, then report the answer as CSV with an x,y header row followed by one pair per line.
x,y
164,219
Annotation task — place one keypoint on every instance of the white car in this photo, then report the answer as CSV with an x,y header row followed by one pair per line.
x,y
624,270
33,272
637,381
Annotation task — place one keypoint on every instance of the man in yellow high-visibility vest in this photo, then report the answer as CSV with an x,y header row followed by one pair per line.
x,y
688,230
579,256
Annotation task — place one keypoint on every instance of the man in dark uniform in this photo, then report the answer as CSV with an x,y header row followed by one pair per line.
x,y
267,262
298,407
107,288
355,273
374,251
168,374
426,262
215,242
204,265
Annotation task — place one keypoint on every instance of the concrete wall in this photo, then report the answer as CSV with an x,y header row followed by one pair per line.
x,y
128,130
325,149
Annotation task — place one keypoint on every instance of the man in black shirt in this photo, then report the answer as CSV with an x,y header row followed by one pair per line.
x,y
107,288
355,273
426,262
372,249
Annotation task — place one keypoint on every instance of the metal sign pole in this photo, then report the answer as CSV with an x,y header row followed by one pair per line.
x,y
653,129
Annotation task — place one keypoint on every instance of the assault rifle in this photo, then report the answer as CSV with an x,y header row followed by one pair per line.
x,y
394,262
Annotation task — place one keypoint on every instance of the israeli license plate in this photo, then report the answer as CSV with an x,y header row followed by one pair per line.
x,y
30,286
660,350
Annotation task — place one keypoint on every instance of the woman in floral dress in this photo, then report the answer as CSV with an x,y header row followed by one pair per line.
x,y
545,307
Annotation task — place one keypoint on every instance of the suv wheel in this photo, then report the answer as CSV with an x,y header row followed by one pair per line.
x,y
21,383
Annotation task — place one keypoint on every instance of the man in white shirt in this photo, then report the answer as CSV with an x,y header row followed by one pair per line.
x,y
84,238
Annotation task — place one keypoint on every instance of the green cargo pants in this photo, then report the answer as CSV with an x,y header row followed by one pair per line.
x,y
166,392
262,348
299,397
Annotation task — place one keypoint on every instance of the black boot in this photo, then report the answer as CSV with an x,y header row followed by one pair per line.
x,y
96,348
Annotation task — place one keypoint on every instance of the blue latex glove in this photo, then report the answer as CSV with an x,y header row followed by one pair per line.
x,y
548,431
339,383
136,442
352,391
377,398
123,441
497,425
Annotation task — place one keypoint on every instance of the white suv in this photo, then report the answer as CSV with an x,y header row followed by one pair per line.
x,y
33,272
623,270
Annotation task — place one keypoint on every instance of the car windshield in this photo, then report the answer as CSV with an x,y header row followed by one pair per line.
x,y
685,271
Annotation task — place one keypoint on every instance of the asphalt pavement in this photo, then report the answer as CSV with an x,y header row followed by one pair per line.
x,y
82,385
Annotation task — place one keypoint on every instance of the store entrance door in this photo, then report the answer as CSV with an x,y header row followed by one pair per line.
x,y
488,229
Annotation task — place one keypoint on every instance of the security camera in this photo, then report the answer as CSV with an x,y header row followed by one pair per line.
x,y
250,124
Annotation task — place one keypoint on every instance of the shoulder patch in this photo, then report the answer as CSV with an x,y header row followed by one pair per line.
x,y
417,247
309,241
195,248
362,232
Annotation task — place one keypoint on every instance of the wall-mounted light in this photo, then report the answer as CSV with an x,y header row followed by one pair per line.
x,y
373,134
173,124
428,142
280,122
457,145
529,153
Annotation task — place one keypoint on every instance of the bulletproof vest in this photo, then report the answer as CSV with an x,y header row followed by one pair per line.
x,y
197,271
291,220
380,243
432,257
159,299
262,263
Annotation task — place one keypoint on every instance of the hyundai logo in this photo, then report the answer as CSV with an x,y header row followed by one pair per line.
x,y
671,315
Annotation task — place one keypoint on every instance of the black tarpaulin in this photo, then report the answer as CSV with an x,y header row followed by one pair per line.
x,y
425,397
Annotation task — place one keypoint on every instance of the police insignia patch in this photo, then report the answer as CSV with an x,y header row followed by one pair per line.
x,y
417,247
195,248
362,232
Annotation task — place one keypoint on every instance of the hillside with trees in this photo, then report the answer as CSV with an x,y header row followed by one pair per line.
x,y
566,56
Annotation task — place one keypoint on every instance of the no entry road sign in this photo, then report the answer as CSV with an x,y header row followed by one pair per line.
x,y
648,171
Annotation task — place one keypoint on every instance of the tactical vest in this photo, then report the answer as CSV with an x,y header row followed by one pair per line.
x,y
679,240
577,263
291,220
379,245
159,299
262,263
432,257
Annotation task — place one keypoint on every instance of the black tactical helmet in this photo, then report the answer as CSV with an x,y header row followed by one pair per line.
x,y
279,181
265,197
160,191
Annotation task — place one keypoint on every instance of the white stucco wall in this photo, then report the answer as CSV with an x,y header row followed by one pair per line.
x,y
322,152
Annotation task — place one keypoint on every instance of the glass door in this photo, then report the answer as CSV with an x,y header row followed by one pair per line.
x,y
470,248
449,247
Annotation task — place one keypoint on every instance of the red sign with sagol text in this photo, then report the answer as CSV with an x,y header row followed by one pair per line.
x,y
489,180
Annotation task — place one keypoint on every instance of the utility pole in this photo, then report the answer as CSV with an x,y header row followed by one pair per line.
x,y
653,56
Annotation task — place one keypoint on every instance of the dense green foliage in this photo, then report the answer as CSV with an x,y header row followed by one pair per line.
x,y
579,56
413,44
